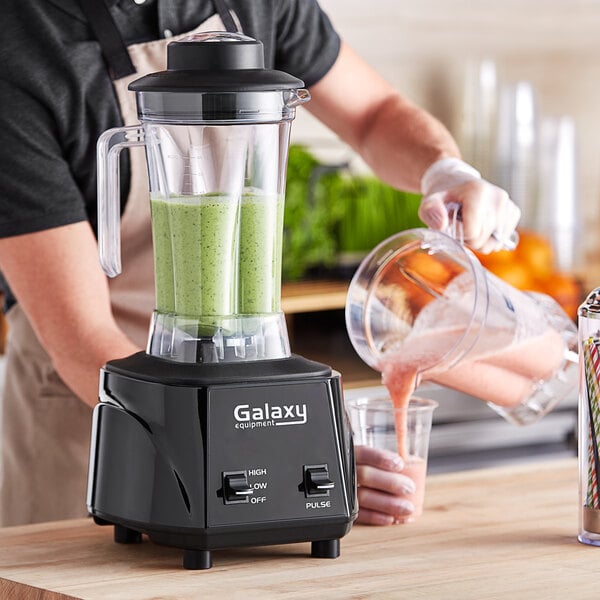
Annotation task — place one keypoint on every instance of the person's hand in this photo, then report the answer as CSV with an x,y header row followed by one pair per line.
x,y
382,488
489,217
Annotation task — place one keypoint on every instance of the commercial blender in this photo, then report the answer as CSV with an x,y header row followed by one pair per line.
x,y
216,436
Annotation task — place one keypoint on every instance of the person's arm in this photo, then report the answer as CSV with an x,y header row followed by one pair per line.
x,y
56,277
396,138
410,149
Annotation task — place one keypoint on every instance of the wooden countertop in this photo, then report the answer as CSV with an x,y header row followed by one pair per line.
x,y
310,296
506,532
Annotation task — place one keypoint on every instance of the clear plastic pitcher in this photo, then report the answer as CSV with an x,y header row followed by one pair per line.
x,y
215,127
421,307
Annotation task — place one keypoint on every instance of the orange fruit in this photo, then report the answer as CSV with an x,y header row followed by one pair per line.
x,y
535,251
565,289
514,273
428,267
493,258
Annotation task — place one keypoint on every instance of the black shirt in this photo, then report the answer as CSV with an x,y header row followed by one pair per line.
x,y
56,96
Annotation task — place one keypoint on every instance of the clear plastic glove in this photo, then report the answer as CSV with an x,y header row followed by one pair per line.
x,y
489,217
382,488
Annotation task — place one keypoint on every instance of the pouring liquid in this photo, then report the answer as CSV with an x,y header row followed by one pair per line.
x,y
421,308
504,378
502,364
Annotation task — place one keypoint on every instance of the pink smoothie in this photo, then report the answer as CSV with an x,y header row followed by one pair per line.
x,y
504,377
416,469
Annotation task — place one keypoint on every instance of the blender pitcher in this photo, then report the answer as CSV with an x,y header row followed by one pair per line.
x,y
216,128
422,308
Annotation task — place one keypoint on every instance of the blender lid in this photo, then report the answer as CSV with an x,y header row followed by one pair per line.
x,y
216,61
217,78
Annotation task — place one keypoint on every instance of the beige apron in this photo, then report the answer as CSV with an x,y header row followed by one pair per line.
x,y
45,427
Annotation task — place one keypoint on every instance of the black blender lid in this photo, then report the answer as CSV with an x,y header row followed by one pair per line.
x,y
216,61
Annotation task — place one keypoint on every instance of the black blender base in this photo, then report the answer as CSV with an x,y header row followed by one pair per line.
x,y
198,428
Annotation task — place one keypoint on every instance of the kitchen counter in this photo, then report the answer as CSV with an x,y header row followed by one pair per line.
x,y
505,532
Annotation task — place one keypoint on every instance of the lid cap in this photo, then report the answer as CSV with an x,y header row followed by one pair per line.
x,y
215,51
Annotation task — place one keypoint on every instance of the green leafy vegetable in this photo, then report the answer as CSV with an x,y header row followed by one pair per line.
x,y
329,211
373,211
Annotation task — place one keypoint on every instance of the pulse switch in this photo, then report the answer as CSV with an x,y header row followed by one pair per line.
x,y
316,480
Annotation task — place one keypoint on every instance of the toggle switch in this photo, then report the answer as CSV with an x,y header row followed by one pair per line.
x,y
236,488
316,480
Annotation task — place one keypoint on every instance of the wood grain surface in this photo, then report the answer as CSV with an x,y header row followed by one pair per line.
x,y
505,532
310,296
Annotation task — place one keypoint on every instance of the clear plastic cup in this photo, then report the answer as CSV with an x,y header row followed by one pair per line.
x,y
377,424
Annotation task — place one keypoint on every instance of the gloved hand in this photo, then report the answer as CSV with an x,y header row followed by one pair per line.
x,y
489,216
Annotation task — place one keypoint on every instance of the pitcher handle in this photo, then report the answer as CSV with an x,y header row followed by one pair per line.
x,y
109,147
455,228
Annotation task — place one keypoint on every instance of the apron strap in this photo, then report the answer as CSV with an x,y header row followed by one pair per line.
x,y
108,36
225,15
113,48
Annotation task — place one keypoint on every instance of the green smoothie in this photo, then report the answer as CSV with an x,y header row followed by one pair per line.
x,y
163,257
261,234
214,256
194,254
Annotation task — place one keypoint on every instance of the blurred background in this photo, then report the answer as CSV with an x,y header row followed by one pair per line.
x,y
518,84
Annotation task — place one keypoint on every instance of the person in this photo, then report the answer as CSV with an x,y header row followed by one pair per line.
x,y
63,80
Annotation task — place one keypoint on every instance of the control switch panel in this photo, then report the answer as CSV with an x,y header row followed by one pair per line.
x,y
236,489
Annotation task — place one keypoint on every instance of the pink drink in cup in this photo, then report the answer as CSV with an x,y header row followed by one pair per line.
x,y
377,424
416,469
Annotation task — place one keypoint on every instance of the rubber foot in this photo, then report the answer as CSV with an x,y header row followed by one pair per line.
x,y
195,560
124,535
325,549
